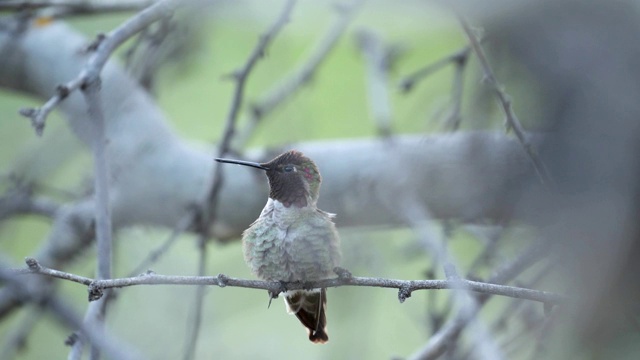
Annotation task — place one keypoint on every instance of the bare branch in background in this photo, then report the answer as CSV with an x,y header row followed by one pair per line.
x,y
440,341
378,58
457,87
209,208
16,340
104,46
143,58
65,315
89,82
485,178
96,313
300,76
195,320
419,219
78,7
155,255
39,115
459,60
240,76
408,82
505,101
21,201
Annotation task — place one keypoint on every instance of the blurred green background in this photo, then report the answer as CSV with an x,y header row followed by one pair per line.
x,y
363,322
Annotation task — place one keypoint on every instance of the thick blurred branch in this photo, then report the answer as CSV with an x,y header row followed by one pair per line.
x,y
104,46
379,58
77,7
65,314
21,201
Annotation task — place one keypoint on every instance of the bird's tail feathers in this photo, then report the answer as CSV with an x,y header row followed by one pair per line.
x,y
309,307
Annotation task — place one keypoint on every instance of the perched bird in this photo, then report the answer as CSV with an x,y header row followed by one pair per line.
x,y
293,240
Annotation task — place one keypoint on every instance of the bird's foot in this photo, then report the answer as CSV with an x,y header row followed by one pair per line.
x,y
274,294
308,285
282,288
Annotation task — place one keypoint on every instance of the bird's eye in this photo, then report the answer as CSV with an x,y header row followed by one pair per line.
x,y
288,168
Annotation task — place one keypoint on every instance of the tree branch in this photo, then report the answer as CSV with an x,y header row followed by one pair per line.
x,y
405,287
104,47
505,102
447,335
78,7
65,314
301,75
103,224
378,57
19,201
240,77
195,321
407,83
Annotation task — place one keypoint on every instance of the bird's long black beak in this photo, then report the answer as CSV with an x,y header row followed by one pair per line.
x,y
245,163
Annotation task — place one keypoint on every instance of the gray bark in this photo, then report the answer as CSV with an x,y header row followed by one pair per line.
x,y
157,176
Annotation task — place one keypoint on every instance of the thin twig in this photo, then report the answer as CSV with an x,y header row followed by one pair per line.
x,y
240,77
16,340
104,47
39,115
67,316
155,255
459,60
300,76
505,102
418,216
488,252
209,209
405,286
439,342
194,325
103,225
90,83
457,87
408,82
509,311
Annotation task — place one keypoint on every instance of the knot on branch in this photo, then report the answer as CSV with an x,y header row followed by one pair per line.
x,y
404,293
342,273
275,291
28,112
35,114
91,83
450,272
63,91
222,280
257,111
96,43
32,263
71,339
95,291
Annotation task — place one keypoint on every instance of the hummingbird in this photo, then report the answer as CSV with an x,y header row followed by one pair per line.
x,y
292,240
